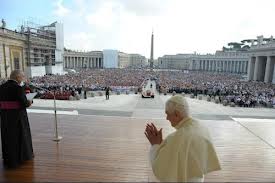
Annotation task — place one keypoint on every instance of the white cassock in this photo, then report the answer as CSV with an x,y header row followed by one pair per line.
x,y
185,155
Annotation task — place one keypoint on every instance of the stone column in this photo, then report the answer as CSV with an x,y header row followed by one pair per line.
x,y
246,66
238,67
228,66
214,65
242,66
256,69
267,77
211,65
250,70
69,62
272,70
72,60
66,62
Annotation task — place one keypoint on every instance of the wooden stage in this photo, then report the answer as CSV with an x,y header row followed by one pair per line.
x,y
114,149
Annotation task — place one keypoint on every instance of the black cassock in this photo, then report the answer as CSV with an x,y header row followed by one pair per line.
x,y
15,130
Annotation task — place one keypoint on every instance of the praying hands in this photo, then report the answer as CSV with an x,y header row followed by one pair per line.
x,y
153,134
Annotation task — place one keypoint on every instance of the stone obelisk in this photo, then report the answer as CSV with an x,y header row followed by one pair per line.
x,y
152,52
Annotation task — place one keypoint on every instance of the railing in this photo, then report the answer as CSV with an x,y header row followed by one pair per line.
x,y
12,34
259,46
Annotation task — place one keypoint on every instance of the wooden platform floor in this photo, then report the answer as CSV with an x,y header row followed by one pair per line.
x,y
115,149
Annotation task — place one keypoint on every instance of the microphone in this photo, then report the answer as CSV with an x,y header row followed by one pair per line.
x,y
56,138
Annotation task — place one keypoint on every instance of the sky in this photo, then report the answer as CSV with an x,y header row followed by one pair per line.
x,y
179,26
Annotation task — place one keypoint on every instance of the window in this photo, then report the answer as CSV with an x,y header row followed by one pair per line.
x,y
16,63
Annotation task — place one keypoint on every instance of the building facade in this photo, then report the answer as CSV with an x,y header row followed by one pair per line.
x,y
262,61
12,52
37,50
221,61
124,60
138,61
179,61
79,60
131,60
102,59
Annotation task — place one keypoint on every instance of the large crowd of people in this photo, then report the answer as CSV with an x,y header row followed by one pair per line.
x,y
225,86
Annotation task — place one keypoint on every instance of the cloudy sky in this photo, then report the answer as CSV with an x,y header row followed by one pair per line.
x,y
179,26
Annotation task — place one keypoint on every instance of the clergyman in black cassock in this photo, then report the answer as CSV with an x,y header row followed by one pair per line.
x,y
15,130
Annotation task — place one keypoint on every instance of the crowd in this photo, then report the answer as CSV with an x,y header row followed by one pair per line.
x,y
229,87
94,79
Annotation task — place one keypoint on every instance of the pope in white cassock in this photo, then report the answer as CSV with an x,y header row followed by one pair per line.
x,y
185,155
